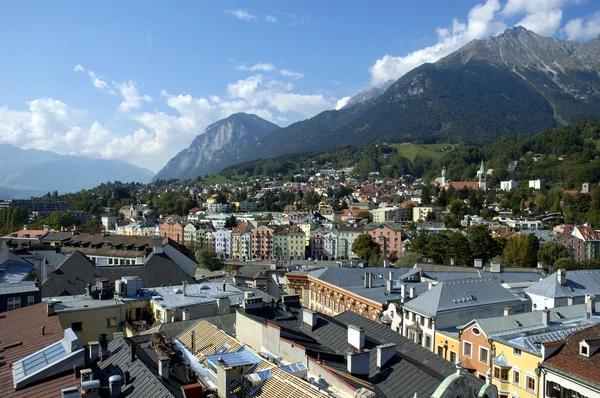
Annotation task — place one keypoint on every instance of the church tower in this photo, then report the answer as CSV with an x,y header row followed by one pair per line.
x,y
482,177
444,181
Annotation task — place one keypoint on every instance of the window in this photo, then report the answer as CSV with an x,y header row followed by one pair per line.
x,y
414,316
583,350
14,302
440,351
517,352
501,374
452,356
407,315
476,331
516,377
427,341
530,383
467,347
484,354
77,326
421,320
429,323
158,315
111,322
30,300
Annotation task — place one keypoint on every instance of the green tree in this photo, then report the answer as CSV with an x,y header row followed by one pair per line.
x,y
364,247
552,251
482,243
521,250
208,259
230,222
458,249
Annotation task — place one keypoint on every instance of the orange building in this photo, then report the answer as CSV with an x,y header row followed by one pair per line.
x,y
262,243
475,349
387,236
172,230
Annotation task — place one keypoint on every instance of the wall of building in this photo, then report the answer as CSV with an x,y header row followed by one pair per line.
x,y
478,341
453,345
94,321
249,331
24,299
525,364
169,315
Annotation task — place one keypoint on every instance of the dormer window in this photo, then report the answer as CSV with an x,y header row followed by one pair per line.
x,y
583,350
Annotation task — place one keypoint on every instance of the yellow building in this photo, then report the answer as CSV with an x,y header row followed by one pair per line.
x,y
514,371
305,227
446,344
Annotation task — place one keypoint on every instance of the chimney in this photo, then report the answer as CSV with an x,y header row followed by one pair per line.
x,y
133,352
545,316
50,308
495,267
114,386
367,280
157,246
561,277
430,286
184,284
570,300
193,342
403,290
412,292
540,265
223,305
356,337
385,352
590,305
163,367
94,351
186,314
478,263
507,311
358,363
69,392
225,376
224,285
309,318
391,275
389,286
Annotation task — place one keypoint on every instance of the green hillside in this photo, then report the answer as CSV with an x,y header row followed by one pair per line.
x,y
433,151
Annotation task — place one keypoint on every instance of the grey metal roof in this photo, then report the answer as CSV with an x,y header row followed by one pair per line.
x,y
502,277
144,381
533,343
73,275
23,287
532,320
578,283
457,295
412,369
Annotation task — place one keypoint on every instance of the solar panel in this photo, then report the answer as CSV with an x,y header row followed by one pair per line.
x,y
51,354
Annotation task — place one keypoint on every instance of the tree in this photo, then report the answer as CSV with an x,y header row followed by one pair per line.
x,y
363,215
230,222
521,250
458,249
364,247
393,256
482,243
550,252
208,259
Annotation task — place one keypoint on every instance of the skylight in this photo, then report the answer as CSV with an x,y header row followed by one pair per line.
x,y
49,361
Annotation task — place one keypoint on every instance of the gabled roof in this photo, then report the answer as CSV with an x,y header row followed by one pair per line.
x,y
456,295
568,362
21,335
578,283
73,275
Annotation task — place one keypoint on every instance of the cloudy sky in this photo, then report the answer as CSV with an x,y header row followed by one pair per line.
x,y
138,80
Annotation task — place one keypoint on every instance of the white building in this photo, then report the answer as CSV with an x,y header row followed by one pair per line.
x,y
508,185
222,242
537,184
330,242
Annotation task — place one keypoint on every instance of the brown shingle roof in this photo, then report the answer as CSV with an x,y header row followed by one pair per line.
x,y
568,358
21,335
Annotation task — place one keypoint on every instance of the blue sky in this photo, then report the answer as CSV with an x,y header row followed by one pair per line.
x,y
139,80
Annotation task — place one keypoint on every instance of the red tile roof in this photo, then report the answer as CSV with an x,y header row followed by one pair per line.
x,y
569,360
21,335
458,185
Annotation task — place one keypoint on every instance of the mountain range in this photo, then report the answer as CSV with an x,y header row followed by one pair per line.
x,y
516,83
219,147
32,172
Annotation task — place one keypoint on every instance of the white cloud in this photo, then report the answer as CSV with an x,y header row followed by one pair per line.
x,y
78,68
481,23
241,14
264,67
342,102
583,29
131,98
544,23
289,73
514,7
99,83
270,18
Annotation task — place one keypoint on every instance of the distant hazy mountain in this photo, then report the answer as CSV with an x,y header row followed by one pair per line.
x,y
515,83
24,173
218,147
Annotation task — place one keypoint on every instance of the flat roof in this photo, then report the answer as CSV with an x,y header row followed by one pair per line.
x,y
196,294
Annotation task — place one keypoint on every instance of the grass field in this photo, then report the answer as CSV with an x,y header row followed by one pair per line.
x,y
434,151
217,179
